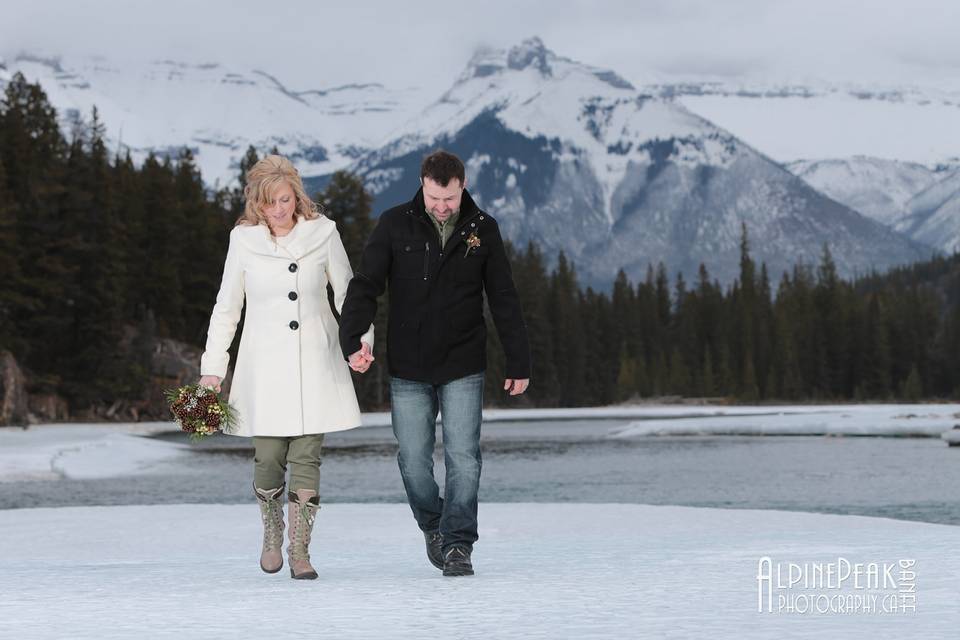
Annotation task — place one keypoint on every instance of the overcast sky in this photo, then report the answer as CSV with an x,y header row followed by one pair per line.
x,y
414,43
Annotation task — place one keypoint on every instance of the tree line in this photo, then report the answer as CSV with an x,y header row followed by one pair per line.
x,y
100,257
818,337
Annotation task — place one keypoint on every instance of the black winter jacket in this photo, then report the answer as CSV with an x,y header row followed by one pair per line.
x,y
435,329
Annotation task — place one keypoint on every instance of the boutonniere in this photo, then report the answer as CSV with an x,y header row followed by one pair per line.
x,y
473,241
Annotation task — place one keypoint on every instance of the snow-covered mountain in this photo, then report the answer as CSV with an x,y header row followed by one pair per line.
x,y
577,159
572,157
933,215
916,200
877,147
790,122
875,187
218,111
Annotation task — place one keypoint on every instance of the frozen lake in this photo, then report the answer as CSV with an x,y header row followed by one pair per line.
x,y
569,460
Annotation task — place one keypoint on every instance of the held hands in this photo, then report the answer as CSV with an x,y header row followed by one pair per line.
x,y
361,360
210,381
516,386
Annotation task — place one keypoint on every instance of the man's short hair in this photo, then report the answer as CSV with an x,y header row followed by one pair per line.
x,y
442,167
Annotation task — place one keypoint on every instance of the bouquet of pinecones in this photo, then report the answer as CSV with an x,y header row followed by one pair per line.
x,y
199,411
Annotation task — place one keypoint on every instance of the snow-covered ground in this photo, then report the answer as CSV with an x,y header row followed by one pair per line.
x,y
840,419
110,450
904,420
55,451
543,571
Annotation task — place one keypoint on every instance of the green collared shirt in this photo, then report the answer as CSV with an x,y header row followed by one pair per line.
x,y
445,229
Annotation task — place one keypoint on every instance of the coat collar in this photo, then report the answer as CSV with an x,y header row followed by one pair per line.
x,y
306,237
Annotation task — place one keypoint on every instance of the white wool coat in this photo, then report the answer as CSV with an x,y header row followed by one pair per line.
x,y
290,377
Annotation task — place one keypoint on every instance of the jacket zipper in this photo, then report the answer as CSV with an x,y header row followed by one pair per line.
x,y
426,259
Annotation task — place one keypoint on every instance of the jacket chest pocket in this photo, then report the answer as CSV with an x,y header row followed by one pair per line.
x,y
411,259
469,267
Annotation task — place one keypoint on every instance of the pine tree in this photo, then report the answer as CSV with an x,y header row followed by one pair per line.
x,y
627,382
569,347
129,203
750,392
533,287
33,155
12,302
660,375
33,146
912,388
346,202
708,386
875,370
726,384
163,291
785,375
709,327
764,327
92,225
744,302
799,316
589,307
679,376
662,289
830,328
649,329
235,198
198,249
625,316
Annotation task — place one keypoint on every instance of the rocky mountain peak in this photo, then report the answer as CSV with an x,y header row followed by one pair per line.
x,y
531,53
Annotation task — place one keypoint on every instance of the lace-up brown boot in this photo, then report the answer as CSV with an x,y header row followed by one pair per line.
x,y
271,512
303,506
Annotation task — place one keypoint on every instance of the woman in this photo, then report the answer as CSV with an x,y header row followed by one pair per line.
x,y
290,383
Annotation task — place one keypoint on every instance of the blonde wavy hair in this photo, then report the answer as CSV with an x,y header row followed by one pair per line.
x,y
263,180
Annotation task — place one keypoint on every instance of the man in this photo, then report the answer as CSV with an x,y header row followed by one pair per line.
x,y
439,253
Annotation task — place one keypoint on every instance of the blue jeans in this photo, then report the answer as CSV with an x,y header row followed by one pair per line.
x,y
414,407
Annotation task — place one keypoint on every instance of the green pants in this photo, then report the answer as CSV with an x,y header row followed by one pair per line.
x,y
272,456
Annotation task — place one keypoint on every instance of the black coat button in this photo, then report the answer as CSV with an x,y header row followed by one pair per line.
x,y
292,267
292,295
294,325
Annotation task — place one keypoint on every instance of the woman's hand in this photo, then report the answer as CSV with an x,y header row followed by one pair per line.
x,y
516,386
210,381
361,360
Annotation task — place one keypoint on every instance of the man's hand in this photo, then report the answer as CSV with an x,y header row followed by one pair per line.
x,y
516,386
361,360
